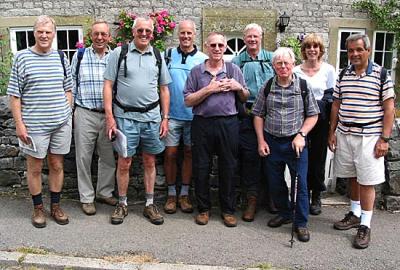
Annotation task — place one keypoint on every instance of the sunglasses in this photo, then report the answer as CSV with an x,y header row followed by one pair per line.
x,y
215,45
142,30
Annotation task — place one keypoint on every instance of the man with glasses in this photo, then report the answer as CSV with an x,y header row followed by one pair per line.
x,y
211,90
282,119
136,108
88,67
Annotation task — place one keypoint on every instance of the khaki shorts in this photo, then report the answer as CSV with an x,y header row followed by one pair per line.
x,y
58,142
355,157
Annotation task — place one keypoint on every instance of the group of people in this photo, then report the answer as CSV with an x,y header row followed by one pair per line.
x,y
258,114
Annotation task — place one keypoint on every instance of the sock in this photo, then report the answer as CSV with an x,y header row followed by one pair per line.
x,y
366,217
184,190
123,199
55,197
149,198
171,190
37,199
356,208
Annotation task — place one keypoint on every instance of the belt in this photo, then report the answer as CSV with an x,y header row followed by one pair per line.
x,y
90,109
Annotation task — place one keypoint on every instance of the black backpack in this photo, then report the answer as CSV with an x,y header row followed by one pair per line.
x,y
80,53
61,54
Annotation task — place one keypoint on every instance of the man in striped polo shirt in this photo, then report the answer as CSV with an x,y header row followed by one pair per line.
x,y
361,123
40,100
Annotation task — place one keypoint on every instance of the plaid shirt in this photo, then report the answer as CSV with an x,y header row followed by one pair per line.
x,y
283,109
90,90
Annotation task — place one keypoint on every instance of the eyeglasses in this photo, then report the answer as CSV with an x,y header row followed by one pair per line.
x,y
313,46
215,45
141,31
282,63
104,34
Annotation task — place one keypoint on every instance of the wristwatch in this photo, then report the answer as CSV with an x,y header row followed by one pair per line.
x,y
302,134
166,116
385,139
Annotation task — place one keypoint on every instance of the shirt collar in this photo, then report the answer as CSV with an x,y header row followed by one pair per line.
x,y
369,68
132,47
203,68
193,52
94,52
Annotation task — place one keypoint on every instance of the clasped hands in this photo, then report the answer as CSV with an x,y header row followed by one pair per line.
x,y
224,85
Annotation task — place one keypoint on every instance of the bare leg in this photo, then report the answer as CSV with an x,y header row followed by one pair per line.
x,y
34,174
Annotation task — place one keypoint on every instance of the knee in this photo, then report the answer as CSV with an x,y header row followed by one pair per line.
x,y
56,167
170,155
149,161
124,165
187,153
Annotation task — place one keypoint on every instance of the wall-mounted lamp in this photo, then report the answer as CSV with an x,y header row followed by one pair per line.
x,y
283,22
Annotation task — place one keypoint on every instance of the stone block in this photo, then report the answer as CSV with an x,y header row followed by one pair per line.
x,y
6,163
8,151
394,150
19,163
391,203
393,183
9,178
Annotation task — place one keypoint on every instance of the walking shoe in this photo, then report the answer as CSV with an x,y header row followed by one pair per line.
x,y
271,206
302,234
107,200
349,221
153,214
58,214
89,209
229,220
170,205
202,218
185,204
250,212
120,212
362,238
315,207
278,221
38,216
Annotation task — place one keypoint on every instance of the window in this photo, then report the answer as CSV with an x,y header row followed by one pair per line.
x,y
383,53
342,60
65,40
235,46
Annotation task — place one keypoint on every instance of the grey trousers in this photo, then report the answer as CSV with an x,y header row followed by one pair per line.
x,y
90,134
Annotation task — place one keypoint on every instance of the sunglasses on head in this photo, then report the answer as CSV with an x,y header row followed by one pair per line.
x,y
215,45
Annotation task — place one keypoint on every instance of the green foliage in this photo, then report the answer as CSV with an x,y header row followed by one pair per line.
x,y
5,66
294,43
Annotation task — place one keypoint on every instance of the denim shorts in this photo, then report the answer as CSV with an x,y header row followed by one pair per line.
x,y
145,134
176,130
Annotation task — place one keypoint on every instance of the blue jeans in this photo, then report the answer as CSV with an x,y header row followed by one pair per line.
x,y
282,154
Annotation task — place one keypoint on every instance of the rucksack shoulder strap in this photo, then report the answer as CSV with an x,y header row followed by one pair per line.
x,y
341,74
268,86
122,56
157,54
304,93
168,56
383,80
79,57
61,54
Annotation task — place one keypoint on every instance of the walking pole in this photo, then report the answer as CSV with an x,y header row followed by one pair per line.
x,y
294,200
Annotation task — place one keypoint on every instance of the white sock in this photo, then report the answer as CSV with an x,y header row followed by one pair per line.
x,y
366,217
123,199
172,190
356,208
149,198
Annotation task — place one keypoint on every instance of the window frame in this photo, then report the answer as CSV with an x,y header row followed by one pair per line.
x,y
392,70
338,50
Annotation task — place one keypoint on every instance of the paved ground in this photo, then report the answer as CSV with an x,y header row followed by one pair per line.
x,y
181,241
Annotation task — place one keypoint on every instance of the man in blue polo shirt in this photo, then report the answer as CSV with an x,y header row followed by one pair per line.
x,y
181,60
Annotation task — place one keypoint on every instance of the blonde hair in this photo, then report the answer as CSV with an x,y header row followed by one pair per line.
x,y
44,19
312,39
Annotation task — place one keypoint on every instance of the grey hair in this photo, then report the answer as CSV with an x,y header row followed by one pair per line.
x,y
252,26
44,19
143,19
282,52
211,34
355,37
188,21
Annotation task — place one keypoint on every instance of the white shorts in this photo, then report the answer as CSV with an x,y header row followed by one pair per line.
x,y
355,157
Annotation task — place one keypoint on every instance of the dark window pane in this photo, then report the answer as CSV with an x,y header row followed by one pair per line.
x,y
31,38
232,44
343,37
240,44
388,60
379,41
378,58
21,40
73,38
343,60
389,42
62,39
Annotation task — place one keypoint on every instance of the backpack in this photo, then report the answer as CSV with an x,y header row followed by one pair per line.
x,y
168,56
61,54
122,57
239,105
244,59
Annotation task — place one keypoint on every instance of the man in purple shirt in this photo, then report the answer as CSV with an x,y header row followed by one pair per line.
x,y
212,89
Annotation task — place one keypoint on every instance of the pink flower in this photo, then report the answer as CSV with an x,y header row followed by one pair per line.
x,y
160,29
79,45
119,44
172,25
164,13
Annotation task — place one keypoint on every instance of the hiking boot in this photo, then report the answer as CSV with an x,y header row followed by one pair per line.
x,y
349,221
120,212
58,214
153,214
302,234
89,209
185,204
170,205
362,238
38,216
202,218
229,220
278,221
249,213
107,200
315,207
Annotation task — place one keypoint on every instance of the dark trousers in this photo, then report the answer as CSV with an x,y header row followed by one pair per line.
x,y
317,150
219,135
282,154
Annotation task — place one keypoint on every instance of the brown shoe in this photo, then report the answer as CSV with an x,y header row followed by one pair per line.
x,y
89,209
362,238
170,205
229,220
302,234
349,221
153,214
107,200
278,221
185,204
250,212
120,212
58,214
38,216
202,218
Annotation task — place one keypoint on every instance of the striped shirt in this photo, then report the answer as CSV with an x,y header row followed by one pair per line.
x,y
360,100
38,80
283,109
89,93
